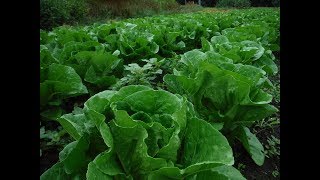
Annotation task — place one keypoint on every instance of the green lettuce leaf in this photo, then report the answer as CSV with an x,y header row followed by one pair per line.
x,y
251,144
61,82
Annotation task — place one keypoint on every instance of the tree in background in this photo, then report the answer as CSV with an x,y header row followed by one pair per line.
x,y
265,3
255,3
206,3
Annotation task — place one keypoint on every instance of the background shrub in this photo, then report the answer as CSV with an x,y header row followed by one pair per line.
x,y
58,12
233,3
52,13
265,3
255,3
77,10
276,3
129,8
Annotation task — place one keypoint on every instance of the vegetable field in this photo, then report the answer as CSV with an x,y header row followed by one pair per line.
x,y
162,97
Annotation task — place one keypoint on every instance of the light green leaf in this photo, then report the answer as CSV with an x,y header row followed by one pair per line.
x,y
203,143
220,172
251,144
73,124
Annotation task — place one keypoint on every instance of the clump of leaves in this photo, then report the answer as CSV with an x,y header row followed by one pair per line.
x,y
141,75
241,167
275,173
267,123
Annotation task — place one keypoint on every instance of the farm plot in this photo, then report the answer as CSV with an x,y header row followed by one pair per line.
x,y
163,97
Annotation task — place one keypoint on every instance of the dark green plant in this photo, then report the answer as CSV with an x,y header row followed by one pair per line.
x,y
265,3
267,123
77,10
54,13
275,173
234,3
129,8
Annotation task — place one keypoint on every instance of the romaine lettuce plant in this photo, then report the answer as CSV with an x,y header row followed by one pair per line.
x,y
250,52
58,82
141,133
225,94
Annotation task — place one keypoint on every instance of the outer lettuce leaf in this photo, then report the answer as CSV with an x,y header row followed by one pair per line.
x,y
251,144
95,173
220,172
266,62
73,161
61,82
104,165
203,143
75,125
57,172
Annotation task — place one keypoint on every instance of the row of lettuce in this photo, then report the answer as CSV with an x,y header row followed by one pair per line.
x,y
214,69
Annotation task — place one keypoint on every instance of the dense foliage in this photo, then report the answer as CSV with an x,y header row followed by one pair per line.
x,y
255,3
233,3
265,3
168,94
54,13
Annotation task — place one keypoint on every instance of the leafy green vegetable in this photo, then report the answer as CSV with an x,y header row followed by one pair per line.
x,y
220,172
61,82
251,144
72,160
146,133
222,92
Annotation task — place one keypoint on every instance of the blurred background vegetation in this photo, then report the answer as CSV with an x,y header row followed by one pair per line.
x,y
55,13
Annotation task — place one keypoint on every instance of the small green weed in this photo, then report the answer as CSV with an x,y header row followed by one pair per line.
x,y
272,149
241,167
